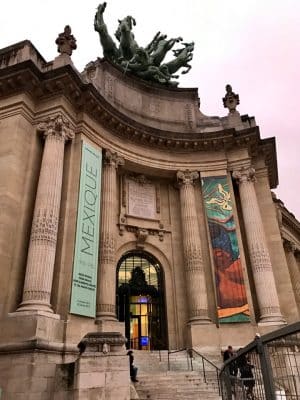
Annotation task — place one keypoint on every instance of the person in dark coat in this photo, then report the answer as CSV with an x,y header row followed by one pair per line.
x,y
228,353
226,356
133,369
247,376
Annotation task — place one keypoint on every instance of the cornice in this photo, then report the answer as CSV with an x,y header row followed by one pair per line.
x,y
84,97
290,222
19,107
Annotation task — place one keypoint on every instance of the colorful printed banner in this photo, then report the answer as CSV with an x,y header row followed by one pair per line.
x,y
84,284
231,293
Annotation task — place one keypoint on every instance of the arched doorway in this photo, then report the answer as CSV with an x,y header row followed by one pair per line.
x,y
140,301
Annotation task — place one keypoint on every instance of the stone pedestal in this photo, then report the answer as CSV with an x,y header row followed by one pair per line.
x,y
194,271
102,370
39,325
258,250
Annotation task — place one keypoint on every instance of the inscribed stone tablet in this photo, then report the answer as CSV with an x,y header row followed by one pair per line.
x,y
141,199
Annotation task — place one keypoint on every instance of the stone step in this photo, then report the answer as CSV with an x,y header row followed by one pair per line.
x,y
157,383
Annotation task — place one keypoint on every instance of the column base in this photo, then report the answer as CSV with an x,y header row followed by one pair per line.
x,y
31,325
202,335
35,306
106,316
199,321
109,325
272,319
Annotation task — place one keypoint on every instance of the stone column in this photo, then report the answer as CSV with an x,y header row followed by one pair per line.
x,y
290,250
106,296
43,238
194,271
258,250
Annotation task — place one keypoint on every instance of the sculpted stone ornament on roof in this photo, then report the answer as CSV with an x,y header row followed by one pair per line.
x,y
144,62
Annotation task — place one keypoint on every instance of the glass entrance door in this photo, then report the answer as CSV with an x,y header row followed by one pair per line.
x,y
140,301
140,314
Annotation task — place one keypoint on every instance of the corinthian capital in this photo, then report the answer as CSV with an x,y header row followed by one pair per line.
x,y
187,177
113,159
244,175
57,126
289,246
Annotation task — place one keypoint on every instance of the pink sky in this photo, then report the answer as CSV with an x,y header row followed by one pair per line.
x,y
252,44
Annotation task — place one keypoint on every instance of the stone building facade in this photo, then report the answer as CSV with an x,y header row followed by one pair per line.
x,y
131,177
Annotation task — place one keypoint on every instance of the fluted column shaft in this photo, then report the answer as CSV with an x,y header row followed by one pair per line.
x,y
106,296
43,238
290,249
194,271
258,250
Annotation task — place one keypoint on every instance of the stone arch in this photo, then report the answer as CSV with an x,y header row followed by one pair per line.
x,y
169,299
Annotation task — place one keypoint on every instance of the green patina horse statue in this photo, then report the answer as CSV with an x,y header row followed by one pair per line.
x,y
143,62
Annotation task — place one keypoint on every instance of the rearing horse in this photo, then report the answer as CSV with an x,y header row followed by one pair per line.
x,y
128,45
183,56
110,50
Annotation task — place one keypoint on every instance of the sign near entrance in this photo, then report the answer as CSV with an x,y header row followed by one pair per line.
x,y
84,283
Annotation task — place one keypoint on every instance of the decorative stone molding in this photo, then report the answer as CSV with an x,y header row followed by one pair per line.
x,y
102,342
187,177
244,175
44,227
107,308
140,179
113,159
57,126
289,246
141,236
198,312
193,257
157,192
160,232
107,246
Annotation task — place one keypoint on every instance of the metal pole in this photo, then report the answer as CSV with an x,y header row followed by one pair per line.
x,y
266,370
204,375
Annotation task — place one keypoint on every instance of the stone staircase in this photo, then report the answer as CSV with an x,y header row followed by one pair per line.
x,y
184,380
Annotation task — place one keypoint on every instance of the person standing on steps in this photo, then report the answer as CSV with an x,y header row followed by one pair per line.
x,y
233,370
247,376
133,368
226,356
227,353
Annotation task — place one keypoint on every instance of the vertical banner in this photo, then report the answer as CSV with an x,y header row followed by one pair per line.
x,y
231,293
84,282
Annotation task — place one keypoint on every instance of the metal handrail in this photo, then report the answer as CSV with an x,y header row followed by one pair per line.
x,y
203,358
177,351
173,352
189,354
206,359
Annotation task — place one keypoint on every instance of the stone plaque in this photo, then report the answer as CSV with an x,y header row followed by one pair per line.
x,y
141,199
